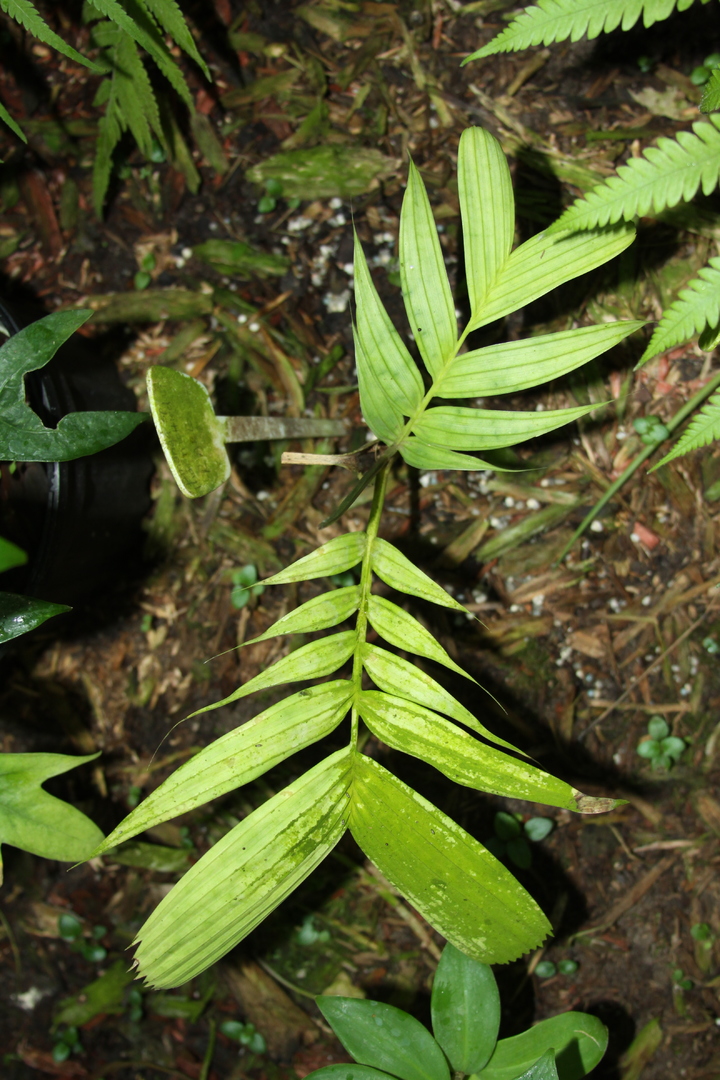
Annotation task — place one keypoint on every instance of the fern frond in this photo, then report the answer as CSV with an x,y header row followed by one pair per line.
x,y
170,18
557,20
109,133
139,25
12,124
23,12
711,93
665,174
704,429
697,306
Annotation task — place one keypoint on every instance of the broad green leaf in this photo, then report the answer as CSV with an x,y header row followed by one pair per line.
x,y
25,13
423,455
159,857
390,383
335,557
517,365
11,123
240,880
405,632
385,1038
578,1039
398,676
396,570
543,1069
11,555
488,429
20,614
238,259
103,995
238,757
430,737
311,661
453,881
425,287
172,21
465,1008
348,1072
546,262
322,611
37,822
23,436
488,212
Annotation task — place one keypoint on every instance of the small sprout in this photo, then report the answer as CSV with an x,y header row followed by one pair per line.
x,y
680,981
245,586
293,204
266,204
519,853
650,429
157,154
567,967
701,932
245,1034
99,932
274,187
61,1052
537,828
133,796
711,645
273,191
67,1042
148,262
142,279
645,64
507,827
509,841
308,935
69,926
659,747
700,75
95,954
146,623
545,969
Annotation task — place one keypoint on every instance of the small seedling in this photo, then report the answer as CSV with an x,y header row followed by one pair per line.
x,y
245,586
700,75
308,935
680,982
193,438
711,645
68,1042
651,430
511,837
546,969
704,941
71,931
245,1034
660,747
465,1011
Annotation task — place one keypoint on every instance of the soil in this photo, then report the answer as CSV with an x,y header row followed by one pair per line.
x,y
575,657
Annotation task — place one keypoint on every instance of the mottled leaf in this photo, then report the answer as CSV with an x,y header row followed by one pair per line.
x,y
322,611
237,758
335,557
425,287
385,1038
396,570
240,880
405,632
428,736
453,881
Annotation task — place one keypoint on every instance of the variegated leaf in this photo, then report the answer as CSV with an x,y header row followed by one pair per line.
x,y
322,611
488,429
405,632
425,455
396,570
335,557
488,212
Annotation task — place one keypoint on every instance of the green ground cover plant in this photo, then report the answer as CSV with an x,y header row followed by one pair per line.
x,y
465,1011
125,32
458,886
672,171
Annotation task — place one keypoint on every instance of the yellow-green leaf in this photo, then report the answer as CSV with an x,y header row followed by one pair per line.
x,y
453,881
488,211
425,455
405,632
322,611
396,570
487,429
335,557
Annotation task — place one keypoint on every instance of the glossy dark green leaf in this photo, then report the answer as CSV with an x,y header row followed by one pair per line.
x,y
465,1008
578,1039
398,676
390,384
396,570
543,1069
35,821
20,614
240,756
23,436
335,557
240,880
516,365
488,211
11,555
453,881
311,661
488,429
322,611
425,287
348,1072
426,735
385,1038
405,632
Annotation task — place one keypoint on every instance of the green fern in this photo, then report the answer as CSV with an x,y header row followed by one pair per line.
x,y
697,307
703,429
711,93
557,20
24,13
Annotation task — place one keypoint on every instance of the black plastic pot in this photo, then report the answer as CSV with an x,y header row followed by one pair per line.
x,y
79,521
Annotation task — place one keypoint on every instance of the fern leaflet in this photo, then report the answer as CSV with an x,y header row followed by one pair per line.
x,y
7,118
697,306
557,20
168,16
711,93
704,428
665,174
23,12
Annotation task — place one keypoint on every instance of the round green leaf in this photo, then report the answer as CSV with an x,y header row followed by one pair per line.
x,y
658,728
537,828
578,1039
465,1008
545,969
385,1038
507,827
